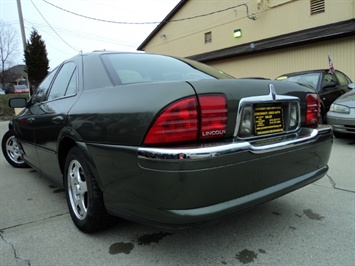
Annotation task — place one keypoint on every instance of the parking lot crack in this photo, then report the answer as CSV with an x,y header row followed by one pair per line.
x,y
31,222
334,185
16,257
332,182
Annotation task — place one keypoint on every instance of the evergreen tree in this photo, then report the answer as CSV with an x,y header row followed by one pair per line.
x,y
37,63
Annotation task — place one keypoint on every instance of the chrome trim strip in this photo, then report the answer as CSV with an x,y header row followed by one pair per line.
x,y
305,135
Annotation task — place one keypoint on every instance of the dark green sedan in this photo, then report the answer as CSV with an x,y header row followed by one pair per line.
x,y
166,141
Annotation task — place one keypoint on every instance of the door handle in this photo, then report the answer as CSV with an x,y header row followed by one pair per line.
x,y
57,120
31,120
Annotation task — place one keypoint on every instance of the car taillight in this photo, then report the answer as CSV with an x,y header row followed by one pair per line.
x,y
190,119
312,109
213,116
178,122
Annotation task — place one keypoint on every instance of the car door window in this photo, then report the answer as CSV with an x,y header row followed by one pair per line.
x,y
41,91
65,82
328,78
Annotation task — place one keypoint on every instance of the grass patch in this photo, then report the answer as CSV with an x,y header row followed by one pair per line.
x,y
6,112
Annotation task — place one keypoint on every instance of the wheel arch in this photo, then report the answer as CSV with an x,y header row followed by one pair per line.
x,y
66,143
68,138
10,126
64,147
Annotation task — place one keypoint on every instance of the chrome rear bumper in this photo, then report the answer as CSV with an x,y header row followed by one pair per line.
x,y
305,135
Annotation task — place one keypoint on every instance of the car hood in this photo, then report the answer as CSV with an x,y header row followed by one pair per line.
x,y
347,99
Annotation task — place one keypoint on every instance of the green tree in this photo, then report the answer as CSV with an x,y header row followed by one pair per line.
x,y
37,63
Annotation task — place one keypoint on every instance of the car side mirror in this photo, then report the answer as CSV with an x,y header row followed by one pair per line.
x,y
351,86
328,85
18,102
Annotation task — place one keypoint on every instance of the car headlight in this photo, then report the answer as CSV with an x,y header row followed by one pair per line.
x,y
338,108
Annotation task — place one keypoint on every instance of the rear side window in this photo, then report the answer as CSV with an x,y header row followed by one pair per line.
x,y
65,81
139,68
343,80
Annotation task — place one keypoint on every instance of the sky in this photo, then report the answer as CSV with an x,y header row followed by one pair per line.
x,y
69,27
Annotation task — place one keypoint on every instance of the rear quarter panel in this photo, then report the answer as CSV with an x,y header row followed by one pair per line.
x,y
123,114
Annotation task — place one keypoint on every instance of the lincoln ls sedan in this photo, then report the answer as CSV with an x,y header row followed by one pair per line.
x,y
166,141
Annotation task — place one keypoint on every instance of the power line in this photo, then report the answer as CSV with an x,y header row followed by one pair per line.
x,y
81,34
49,44
53,28
153,22
97,19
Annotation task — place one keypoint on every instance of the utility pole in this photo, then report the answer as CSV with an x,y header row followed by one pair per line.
x,y
24,43
22,26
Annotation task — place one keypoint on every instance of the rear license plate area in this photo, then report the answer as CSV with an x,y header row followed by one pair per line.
x,y
268,119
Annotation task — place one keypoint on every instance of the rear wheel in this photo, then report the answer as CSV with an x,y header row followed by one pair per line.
x,y
12,151
84,197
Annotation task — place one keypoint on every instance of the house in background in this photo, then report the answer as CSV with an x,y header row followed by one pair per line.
x,y
15,75
259,38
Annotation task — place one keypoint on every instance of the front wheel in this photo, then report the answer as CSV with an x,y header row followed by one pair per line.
x,y
84,197
12,151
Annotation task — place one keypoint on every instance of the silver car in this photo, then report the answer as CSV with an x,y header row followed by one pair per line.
x,y
342,114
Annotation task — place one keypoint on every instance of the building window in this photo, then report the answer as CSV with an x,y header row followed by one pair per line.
x,y
317,6
208,37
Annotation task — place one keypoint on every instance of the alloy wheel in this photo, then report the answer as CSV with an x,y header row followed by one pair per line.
x,y
77,189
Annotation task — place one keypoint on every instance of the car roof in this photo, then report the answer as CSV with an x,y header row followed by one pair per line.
x,y
100,52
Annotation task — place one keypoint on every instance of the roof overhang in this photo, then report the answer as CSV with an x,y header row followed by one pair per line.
x,y
161,24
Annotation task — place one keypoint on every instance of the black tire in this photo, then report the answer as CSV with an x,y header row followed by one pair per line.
x,y
84,197
339,135
322,118
12,150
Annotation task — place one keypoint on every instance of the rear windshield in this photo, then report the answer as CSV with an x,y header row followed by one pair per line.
x,y
139,68
307,78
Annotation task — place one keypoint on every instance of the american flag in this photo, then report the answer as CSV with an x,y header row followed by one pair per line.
x,y
331,66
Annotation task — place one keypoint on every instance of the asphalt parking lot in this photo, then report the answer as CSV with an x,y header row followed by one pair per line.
x,y
314,225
